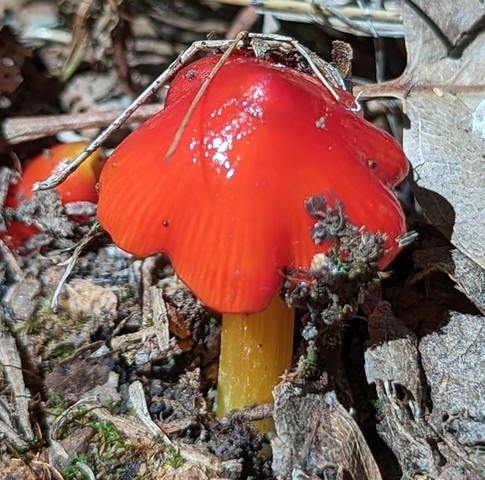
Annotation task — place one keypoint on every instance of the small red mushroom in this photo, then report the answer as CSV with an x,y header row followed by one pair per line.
x,y
228,206
80,186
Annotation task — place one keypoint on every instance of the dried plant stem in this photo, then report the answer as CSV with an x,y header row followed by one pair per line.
x,y
24,129
275,41
200,93
71,263
298,6
59,177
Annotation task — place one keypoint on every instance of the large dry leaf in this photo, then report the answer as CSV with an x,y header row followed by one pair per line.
x,y
431,398
445,102
315,433
449,358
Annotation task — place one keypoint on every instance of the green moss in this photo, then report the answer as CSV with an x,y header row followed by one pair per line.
x,y
61,351
109,437
56,404
173,458
72,471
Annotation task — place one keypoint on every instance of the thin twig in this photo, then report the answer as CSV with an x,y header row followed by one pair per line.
x,y
59,177
200,93
24,129
316,70
244,20
70,265
310,7
223,45
253,413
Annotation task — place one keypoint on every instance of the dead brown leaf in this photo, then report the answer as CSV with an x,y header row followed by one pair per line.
x,y
444,91
316,433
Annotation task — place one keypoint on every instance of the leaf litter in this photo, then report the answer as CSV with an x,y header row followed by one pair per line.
x,y
121,380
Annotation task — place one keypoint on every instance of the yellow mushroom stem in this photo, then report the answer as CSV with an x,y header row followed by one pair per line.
x,y
256,349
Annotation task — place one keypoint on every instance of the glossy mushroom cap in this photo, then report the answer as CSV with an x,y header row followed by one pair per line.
x,y
80,186
228,206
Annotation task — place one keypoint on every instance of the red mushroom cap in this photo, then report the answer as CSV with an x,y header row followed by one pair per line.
x,y
228,206
80,186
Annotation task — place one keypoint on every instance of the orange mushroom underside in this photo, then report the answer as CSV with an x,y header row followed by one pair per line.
x,y
228,206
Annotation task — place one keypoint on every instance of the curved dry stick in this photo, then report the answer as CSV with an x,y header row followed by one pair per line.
x,y
57,178
200,93
313,61
16,130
